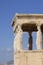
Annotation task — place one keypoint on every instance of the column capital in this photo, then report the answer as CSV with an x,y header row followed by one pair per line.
x,y
17,29
30,33
39,27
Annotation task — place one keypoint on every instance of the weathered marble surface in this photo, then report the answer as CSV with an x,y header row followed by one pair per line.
x,y
29,57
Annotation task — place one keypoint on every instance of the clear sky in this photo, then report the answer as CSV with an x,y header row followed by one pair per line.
x,y
8,8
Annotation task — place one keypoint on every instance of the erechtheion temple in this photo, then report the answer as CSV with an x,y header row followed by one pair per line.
x,y
28,23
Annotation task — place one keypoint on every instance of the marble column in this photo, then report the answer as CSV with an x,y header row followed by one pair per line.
x,y
30,41
39,38
18,39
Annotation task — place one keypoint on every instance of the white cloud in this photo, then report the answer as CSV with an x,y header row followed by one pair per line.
x,y
6,49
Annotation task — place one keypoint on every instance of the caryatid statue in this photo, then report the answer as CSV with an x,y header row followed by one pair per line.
x,y
18,38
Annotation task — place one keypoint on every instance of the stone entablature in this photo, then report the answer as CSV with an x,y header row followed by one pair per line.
x,y
29,19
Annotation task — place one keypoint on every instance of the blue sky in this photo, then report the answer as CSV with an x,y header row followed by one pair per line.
x,y
8,8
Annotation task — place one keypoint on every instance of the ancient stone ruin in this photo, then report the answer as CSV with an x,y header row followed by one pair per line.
x,y
28,23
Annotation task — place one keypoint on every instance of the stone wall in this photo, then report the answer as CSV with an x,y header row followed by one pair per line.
x,y
29,58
